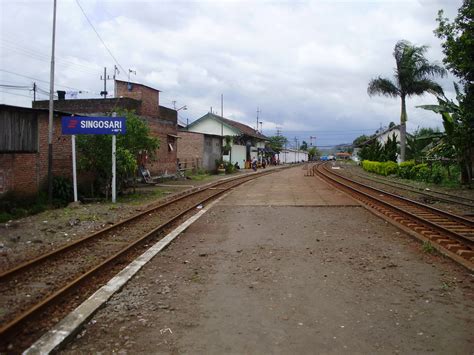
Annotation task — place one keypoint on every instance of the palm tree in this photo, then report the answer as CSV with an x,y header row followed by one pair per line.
x,y
412,77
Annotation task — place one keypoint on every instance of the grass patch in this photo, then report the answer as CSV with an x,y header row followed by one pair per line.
x,y
428,247
137,197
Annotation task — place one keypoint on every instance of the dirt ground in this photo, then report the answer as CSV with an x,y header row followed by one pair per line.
x,y
285,264
25,238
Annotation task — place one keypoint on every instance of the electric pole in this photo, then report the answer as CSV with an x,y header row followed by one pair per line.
x,y
104,78
258,111
51,113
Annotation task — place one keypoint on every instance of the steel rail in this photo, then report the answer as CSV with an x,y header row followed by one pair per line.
x,y
37,308
424,222
22,266
448,197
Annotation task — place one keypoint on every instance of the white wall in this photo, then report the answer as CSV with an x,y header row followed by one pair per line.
x,y
291,156
238,154
384,137
210,126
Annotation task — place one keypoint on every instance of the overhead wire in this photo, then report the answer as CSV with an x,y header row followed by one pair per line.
x,y
12,93
100,38
45,58
46,81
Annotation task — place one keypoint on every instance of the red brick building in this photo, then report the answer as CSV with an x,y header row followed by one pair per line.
x,y
198,150
145,101
24,149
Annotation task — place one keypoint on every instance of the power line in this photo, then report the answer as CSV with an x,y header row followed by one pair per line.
x,y
43,57
12,93
15,87
44,81
100,38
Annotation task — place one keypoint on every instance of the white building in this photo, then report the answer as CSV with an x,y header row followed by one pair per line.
x,y
244,142
287,156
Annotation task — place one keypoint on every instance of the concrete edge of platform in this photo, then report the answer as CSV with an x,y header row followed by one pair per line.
x,y
418,237
70,325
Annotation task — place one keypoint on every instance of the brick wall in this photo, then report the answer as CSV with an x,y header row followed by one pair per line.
x,y
164,159
25,173
90,106
190,149
18,172
149,97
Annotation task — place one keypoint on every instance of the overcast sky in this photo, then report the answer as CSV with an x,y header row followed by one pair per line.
x,y
304,64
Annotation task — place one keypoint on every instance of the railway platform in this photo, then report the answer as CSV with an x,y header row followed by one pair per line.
x,y
287,264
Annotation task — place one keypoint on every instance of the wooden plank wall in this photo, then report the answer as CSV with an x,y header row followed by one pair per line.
x,y
18,131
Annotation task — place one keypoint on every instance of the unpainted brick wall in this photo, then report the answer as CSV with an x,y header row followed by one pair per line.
x,y
164,160
190,149
25,173
150,98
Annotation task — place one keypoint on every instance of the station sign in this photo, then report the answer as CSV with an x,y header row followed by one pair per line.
x,y
93,125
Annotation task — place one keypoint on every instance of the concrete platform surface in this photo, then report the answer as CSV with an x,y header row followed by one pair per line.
x,y
257,274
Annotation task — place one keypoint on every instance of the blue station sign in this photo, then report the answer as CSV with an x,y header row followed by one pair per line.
x,y
93,125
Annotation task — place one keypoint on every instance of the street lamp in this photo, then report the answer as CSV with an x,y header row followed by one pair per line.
x,y
182,108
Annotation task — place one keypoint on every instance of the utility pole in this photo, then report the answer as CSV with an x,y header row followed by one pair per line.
x,y
116,72
34,91
261,127
130,71
311,140
258,111
51,113
222,105
104,78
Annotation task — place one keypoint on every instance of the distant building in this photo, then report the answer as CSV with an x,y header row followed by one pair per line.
x,y
288,156
240,143
144,100
382,136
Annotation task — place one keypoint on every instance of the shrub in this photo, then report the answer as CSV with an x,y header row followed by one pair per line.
x,y
421,172
404,169
437,174
381,168
62,189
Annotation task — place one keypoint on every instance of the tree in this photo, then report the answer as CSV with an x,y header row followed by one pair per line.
x,y
372,151
304,146
277,143
390,149
95,154
313,152
412,77
419,140
458,45
359,140
459,132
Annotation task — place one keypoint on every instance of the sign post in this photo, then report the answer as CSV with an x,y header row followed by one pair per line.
x,y
114,162
74,175
94,125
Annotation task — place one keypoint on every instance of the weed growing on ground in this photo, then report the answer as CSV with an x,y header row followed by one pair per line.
x,y
428,247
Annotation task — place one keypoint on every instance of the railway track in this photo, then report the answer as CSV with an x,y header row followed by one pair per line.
x,y
32,289
451,234
436,195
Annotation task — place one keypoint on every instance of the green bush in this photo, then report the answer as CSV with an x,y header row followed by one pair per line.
x,y
381,168
229,167
437,174
404,169
421,172
62,189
